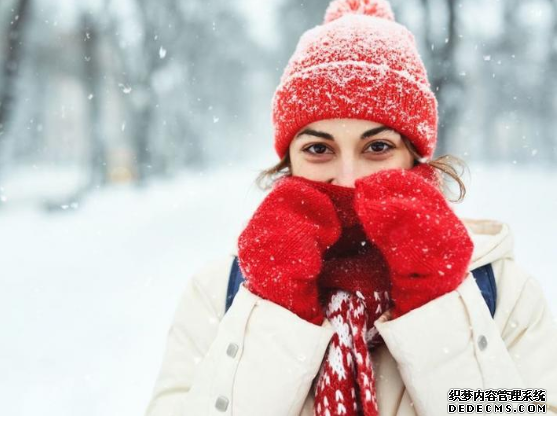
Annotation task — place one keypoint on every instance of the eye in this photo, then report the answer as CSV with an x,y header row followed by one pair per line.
x,y
379,147
319,149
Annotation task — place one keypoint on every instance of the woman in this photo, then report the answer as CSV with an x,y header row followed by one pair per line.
x,y
359,296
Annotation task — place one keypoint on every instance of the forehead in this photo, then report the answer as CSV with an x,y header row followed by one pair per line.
x,y
338,127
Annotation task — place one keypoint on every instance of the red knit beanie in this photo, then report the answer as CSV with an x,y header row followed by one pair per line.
x,y
358,64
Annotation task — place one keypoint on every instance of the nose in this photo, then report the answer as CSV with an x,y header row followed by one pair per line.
x,y
345,174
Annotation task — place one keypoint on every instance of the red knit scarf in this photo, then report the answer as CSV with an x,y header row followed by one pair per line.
x,y
354,285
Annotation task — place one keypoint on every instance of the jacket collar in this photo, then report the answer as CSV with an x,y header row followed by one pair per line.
x,y
492,240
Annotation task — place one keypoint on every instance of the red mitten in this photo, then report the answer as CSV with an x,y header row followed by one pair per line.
x,y
426,246
280,251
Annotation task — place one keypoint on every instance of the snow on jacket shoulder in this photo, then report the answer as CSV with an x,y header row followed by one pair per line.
x,y
261,359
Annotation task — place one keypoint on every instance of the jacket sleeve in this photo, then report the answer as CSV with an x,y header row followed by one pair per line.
x,y
453,342
259,358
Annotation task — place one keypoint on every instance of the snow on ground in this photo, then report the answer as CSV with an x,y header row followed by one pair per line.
x,y
89,292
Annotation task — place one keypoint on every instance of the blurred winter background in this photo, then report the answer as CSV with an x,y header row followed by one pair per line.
x,y
131,133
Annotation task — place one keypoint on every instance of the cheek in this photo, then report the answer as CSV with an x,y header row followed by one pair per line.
x,y
399,160
407,159
296,164
310,170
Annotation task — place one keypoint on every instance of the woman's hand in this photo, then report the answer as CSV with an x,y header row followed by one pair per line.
x,y
426,246
356,265
280,251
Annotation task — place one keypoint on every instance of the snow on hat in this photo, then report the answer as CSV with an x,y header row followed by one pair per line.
x,y
358,64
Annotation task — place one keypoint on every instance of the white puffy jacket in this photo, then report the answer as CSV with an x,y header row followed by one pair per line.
x,y
261,359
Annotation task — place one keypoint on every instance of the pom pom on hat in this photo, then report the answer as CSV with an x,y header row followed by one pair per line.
x,y
377,8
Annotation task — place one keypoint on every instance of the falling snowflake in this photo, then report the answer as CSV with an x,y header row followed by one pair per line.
x,y
126,89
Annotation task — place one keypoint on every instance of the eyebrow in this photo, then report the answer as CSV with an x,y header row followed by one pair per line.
x,y
368,133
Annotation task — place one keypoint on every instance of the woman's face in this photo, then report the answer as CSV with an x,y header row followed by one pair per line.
x,y
339,151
